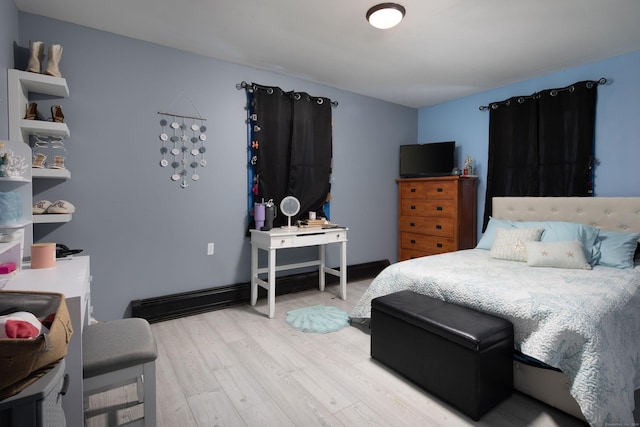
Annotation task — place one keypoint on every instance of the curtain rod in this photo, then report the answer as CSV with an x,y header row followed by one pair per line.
x,y
247,86
601,81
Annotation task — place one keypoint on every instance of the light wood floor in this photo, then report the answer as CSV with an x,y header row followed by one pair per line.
x,y
236,367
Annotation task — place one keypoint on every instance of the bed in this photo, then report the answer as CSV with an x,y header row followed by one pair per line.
x,y
582,323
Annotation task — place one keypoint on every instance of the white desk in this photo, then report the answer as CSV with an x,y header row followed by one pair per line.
x,y
71,278
281,238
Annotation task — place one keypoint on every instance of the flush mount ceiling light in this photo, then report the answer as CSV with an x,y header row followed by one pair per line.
x,y
385,15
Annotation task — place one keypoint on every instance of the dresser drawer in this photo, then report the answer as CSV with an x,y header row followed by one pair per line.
x,y
430,208
427,225
426,243
428,190
406,254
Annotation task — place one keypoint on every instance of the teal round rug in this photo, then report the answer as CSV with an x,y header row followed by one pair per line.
x,y
318,319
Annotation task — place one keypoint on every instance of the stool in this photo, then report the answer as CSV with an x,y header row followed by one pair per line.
x,y
118,353
463,356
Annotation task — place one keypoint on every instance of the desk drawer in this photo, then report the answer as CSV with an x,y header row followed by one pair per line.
x,y
320,238
277,239
283,242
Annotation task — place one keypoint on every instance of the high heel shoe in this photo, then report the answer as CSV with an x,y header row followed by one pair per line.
x,y
38,160
58,163
56,113
32,112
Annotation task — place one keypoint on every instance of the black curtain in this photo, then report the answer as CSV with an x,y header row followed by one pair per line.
x,y
542,145
291,147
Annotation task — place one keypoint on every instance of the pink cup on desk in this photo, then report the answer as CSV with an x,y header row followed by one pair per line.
x,y
43,255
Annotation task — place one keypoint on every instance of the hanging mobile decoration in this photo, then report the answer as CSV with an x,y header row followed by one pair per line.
x,y
185,142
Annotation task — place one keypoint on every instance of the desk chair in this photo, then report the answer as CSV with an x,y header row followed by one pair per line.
x,y
118,353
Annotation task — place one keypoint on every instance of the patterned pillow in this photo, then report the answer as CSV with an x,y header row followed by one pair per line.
x,y
561,231
509,243
557,254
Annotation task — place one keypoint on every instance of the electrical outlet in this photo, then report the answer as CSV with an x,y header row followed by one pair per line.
x,y
210,249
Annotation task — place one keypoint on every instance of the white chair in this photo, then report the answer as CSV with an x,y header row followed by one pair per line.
x,y
118,353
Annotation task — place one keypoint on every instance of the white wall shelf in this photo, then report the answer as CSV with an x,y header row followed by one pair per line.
x,y
20,85
51,218
42,127
46,173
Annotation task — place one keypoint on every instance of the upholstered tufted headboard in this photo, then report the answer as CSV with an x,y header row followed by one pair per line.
x,y
607,213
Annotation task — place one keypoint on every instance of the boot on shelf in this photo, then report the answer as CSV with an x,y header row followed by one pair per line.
x,y
53,60
33,113
35,57
56,113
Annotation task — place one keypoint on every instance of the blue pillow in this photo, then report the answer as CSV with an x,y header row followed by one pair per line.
x,y
617,249
561,231
486,241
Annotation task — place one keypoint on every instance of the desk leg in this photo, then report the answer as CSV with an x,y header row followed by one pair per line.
x,y
343,270
272,283
321,249
254,274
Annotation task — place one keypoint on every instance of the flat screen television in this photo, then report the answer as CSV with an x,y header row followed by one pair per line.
x,y
424,160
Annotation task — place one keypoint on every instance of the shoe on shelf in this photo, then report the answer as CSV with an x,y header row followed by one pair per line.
x,y
33,113
41,207
38,160
36,52
58,163
53,60
56,113
61,207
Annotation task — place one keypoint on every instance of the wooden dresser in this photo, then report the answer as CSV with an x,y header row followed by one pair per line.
x,y
436,215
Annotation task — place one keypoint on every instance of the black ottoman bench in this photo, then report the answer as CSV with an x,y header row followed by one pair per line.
x,y
463,356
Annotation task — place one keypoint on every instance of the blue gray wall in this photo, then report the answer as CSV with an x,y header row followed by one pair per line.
x,y
8,33
148,237
617,139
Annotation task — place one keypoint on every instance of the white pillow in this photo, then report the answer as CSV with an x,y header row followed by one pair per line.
x,y
509,243
557,254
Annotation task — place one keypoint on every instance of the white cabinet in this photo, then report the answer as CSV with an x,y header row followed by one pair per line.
x,y
20,85
71,277
21,184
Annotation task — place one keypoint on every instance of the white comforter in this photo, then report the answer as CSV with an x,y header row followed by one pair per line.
x,y
584,322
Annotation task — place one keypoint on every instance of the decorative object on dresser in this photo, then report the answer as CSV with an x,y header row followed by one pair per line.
x,y
436,215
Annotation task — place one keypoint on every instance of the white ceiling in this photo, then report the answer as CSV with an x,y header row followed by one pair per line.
x,y
442,50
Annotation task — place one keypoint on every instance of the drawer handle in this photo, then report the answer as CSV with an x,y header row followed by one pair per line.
x,y
413,207
438,227
413,190
439,245
282,242
439,190
337,236
412,224
413,241
438,208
